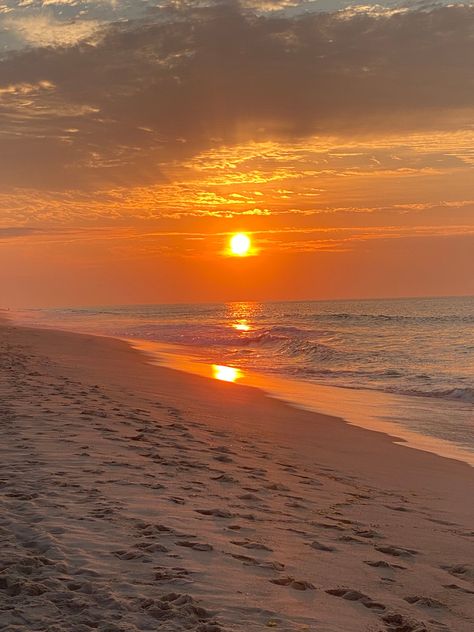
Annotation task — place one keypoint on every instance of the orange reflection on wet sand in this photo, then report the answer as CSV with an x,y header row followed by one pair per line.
x,y
225,373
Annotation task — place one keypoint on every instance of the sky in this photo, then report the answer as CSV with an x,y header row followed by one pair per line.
x,y
136,136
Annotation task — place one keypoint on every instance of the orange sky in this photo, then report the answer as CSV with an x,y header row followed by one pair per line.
x,y
341,141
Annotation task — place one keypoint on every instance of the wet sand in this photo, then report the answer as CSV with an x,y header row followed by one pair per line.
x,y
135,497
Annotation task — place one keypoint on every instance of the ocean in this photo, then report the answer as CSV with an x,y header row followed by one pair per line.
x,y
413,355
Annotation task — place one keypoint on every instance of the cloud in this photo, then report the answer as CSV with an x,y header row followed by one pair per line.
x,y
403,174
194,78
16,231
45,30
23,89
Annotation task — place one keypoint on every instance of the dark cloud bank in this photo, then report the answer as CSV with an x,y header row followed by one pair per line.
x,y
149,92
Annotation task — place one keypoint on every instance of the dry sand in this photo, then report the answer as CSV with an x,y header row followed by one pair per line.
x,y
139,498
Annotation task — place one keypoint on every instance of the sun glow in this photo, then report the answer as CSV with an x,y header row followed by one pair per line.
x,y
240,245
225,373
241,325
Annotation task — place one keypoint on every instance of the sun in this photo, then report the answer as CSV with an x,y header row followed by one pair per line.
x,y
240,245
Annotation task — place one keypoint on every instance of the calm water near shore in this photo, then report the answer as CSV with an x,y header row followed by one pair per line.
x,y
416,356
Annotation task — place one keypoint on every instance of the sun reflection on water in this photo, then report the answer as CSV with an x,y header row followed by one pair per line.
x,y
242,325
242,316
225,373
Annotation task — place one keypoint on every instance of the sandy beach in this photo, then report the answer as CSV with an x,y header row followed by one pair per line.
x,y
138,498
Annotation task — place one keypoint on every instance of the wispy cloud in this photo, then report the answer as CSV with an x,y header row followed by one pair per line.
x,y
16,231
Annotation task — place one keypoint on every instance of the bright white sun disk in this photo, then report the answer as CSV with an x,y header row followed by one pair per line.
x,y
240,244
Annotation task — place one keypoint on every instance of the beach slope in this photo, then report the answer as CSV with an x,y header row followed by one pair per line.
x,y
135,497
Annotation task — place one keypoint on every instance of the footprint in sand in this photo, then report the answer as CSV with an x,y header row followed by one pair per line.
x,y
295,504
252,561
396,622
181,609
291,582
175,575
396,551
398,508
460,570
250,496
151,547
218,513
351,538
367,533
383,564
460,588
9,586
355,595
223,458
149,529
224,478
132,555
196,546
426,602
277,487
247,544
445,523
328,525
319,546
177,500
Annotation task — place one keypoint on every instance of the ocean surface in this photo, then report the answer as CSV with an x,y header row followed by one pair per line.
x,y
418,349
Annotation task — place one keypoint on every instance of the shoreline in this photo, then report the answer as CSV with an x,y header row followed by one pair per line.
x,y
136,482
137,347
356,406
